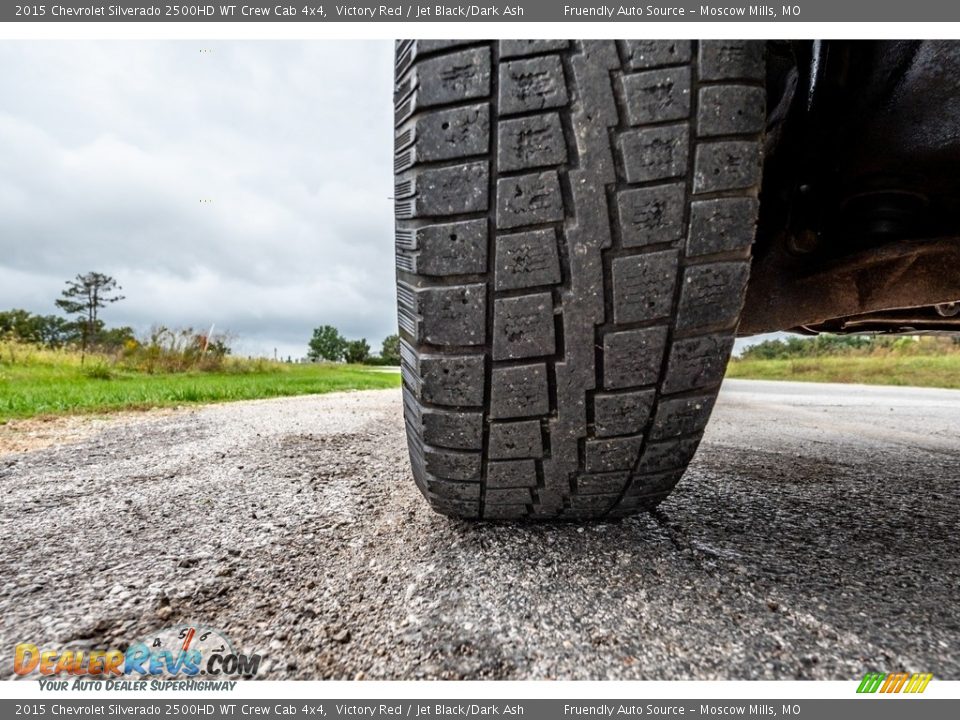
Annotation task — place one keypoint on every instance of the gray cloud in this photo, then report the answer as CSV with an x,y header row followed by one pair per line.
x,y
108,148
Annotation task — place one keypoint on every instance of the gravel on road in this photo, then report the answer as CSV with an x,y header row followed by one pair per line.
x,y
815,536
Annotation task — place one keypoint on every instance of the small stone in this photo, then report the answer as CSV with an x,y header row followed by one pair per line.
x,y
342,637
164,612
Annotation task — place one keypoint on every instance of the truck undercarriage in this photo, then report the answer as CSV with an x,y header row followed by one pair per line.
x,y
859,202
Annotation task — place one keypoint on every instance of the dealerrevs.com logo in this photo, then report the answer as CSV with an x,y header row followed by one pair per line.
x,y
184,651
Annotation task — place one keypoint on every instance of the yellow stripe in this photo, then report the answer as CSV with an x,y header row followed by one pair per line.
x,y
926,681
912,684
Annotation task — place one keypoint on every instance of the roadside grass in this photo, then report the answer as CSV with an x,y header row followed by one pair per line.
x,y
940,371
36,382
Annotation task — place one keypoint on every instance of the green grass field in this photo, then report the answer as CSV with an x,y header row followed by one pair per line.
x,y
42,382
942,371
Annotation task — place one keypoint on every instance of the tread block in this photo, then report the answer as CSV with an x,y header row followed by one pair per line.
x,y
590,506
721,225
454,77
517,48
651,215
633,357
403,139
452,190
446,134
731,110
622,413
411,379
681,416
458,509
643,54
655,484
452,465
611,454
533,84
712,295
696,362
452,248
410,390
548,504
655,153
731,60
425,46
453,315
508,496
403,188
596,107
530,142
627,507
657,95
455,380
450,429
670,455
643,286
727,165
405,109
412,410
529,200
515,440
409,50
511,473
519,391
505,512
454,490
527,260
523,327
601,483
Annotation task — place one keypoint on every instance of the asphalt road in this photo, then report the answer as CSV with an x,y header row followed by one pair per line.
x,y
814,537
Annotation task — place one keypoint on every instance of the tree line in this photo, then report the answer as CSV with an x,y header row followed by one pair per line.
x,y
84,297
81,300
328,344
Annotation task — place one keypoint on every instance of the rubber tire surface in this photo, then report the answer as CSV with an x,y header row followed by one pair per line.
x,y
574,222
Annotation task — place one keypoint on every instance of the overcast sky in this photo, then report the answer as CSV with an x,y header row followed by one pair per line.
x,y
108,148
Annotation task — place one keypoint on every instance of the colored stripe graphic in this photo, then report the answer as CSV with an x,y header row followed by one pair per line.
x,y
870,683
918,683
894,682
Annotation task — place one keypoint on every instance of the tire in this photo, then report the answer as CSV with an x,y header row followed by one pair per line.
x,y
574,222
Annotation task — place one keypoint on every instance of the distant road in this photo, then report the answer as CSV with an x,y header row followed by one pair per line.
x,y
814,537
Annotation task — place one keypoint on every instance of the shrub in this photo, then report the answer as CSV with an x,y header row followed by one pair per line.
x,y
827,345
97,370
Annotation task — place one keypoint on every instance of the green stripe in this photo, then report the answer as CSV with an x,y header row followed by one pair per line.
x,y
871,682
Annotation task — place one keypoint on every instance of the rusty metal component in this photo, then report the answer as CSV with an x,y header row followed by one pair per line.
x,y
785,292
